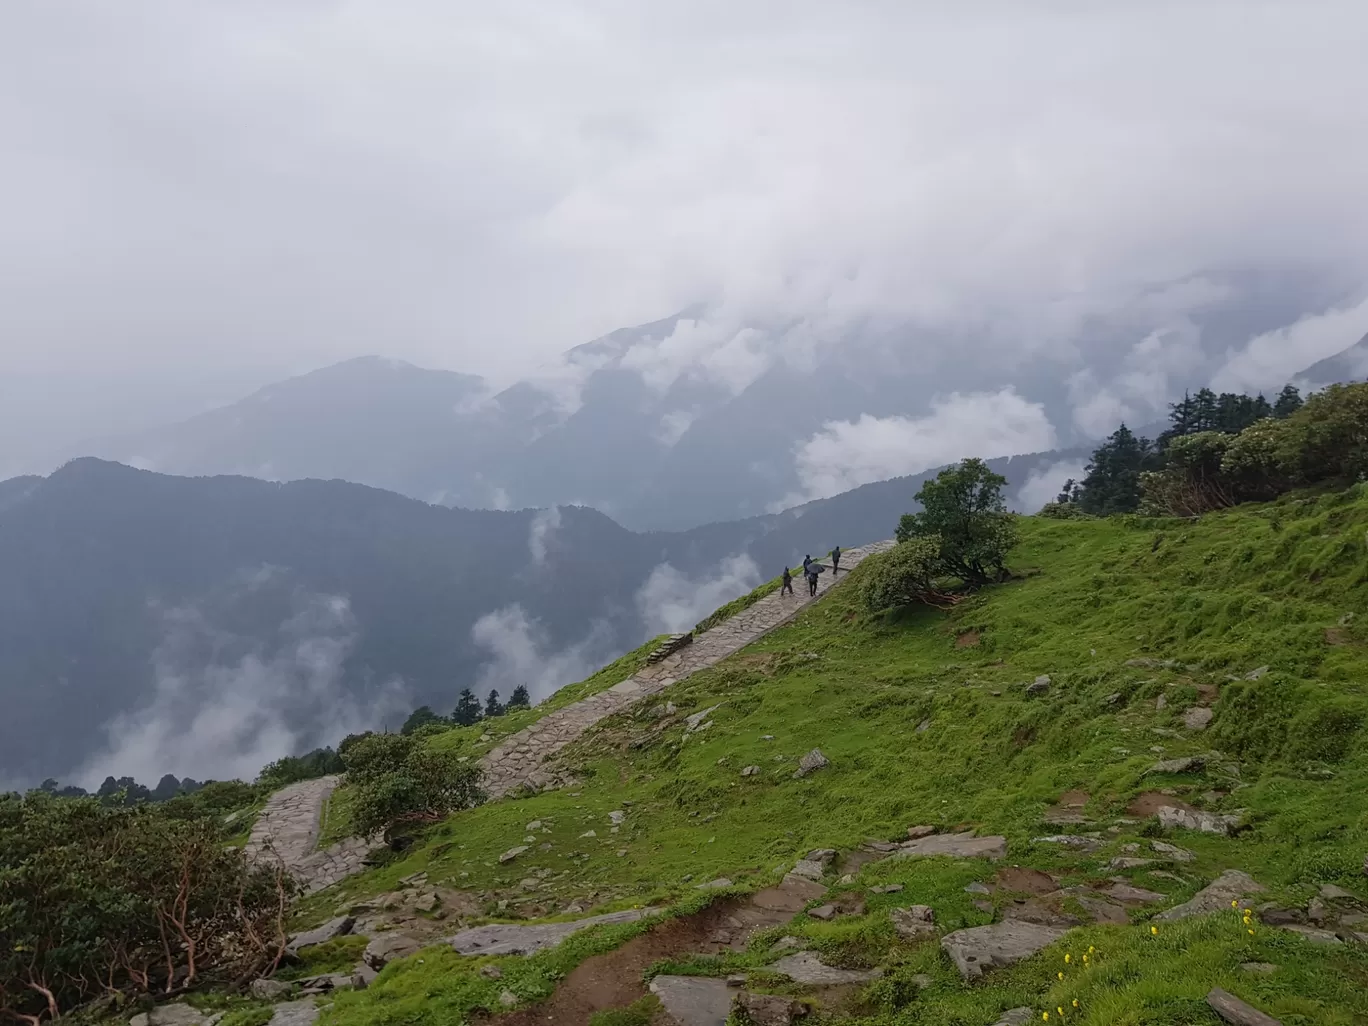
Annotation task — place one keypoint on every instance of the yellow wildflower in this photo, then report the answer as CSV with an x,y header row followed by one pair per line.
x,y
1154,930
1091,949
1060,975
1068,959
1075,1002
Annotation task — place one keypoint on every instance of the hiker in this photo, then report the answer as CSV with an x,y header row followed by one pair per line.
x,y
788,582
812,571
807,562
836,561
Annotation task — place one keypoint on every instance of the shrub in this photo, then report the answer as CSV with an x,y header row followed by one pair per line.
x,y
964,511
426,786
902,576
376,755
1192,482
97,898
1064,511
320,762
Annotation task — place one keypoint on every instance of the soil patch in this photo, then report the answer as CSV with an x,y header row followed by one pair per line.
x,y
969,639
1208,693
1337,636
1149,803
613,979
1074,799
1024,880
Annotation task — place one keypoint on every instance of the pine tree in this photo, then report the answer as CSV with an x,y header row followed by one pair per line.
x,y
1289,401
1262,409
467,709
492,706
1205,412
1113,481
520,699
1069,493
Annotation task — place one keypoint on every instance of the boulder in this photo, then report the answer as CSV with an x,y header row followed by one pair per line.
x,y
365,975
491,972
269,990
768,1009
1187,764
1127,862
720,884
1136,895
886,889
1171,851
426,902
1232,885
965,846
294,1013
823,912
811,763
916,833
1039,686
750,771
825,856
507,999
914,923
1236,1012
332,929
1197,718
386,947
1002,944
806,967
694,1000
1312,934
513,853
808,869
175,1014
1016,1017
329,982
1172,817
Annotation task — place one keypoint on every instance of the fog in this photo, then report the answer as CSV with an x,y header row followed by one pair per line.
x,y
199,198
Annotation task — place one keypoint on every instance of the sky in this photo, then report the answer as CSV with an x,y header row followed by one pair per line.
x,y
199,198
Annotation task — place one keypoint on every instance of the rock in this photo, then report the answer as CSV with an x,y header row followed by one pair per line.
x,y
1197,718
1259,967
923,726
916,833
329,982
527,939
175,1014
1070,840
617,817
513,853
1215,897
720,884
365,975
385,948
1161,703
426,902
1001,944
768,1009
825,856
1016,1017
1311,933
811,763
808,870
786,943
1236,1012
1316,911
1039,686
823,912
332,929
1332,893
965,846
977,888
507,999
294,1013
1171,851
692,721
1187,764
693,1000
1256,674
1113,699
750,771
791,895
886,889
1172,817
736,981
1125,862
491,972
846,880
1125,892
269,990
806,967
914,923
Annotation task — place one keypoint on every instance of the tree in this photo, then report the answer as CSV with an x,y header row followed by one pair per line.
x,y
903,576
1113,481
1070,492
492,706
520,699
1289,401
467,711
421,716
426,786
964,511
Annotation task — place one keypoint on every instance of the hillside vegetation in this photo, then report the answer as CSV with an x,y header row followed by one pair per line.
x,y
1254,613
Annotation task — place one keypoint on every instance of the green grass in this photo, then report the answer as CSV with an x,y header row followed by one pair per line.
x,y
1273,585
737,605
337,817
339,955
638,1013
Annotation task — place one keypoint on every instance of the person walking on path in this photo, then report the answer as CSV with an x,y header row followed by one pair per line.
x,y
836,561
812,571
807,563
788,583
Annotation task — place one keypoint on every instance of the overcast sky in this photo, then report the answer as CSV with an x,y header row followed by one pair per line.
x,y
197,198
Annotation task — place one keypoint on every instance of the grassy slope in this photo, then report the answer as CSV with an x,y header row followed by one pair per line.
x,y
1258,586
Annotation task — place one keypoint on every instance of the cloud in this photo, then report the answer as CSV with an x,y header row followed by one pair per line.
x,y
1044,485
1269,361
671,601
520,652
847,454
1150,372
226,704
545,522
674,424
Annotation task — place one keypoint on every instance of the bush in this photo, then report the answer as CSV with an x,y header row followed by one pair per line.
x,y
1192,483
376,755
425,786
1064,511
903,576
97,898
963,510
293,768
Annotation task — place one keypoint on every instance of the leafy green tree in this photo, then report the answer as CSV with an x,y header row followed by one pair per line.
x,y
903,576
492,707
963,510
429,785
1070,492
1191,482
378,755
520,699
1113,481
1289,401
293,768
467,711
421,716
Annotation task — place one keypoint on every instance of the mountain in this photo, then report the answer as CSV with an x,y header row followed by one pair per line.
x,y
701,417
194,625
1349,365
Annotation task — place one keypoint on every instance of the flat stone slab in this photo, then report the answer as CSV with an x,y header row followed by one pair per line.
x,y
806,967
960,846
1236,1012
333,928
175,1014
1016,1017
519,939
1232,885
1001,944
694,1000
294,1013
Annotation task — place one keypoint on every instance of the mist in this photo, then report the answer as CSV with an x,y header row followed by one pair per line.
x,y
671,602
520,652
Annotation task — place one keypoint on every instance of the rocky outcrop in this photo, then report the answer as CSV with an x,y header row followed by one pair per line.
x,y
1002,944
519,939
1232,885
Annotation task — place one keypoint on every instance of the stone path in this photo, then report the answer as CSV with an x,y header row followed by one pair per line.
x,y
288,827
521,759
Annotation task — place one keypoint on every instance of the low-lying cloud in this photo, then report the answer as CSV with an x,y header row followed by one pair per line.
x,y
226,704
545,523
1045,484
1271,360
672,601
847,454
520,651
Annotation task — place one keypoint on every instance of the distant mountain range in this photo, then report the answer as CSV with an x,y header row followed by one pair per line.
x,y
690,420
203,626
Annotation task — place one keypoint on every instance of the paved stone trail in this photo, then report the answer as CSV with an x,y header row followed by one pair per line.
x,y
521,759
289,824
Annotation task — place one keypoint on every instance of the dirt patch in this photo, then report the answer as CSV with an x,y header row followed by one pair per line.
x,y
613,979
969,639
1337,636
1208,693
1149,803
1074,799
1024,880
